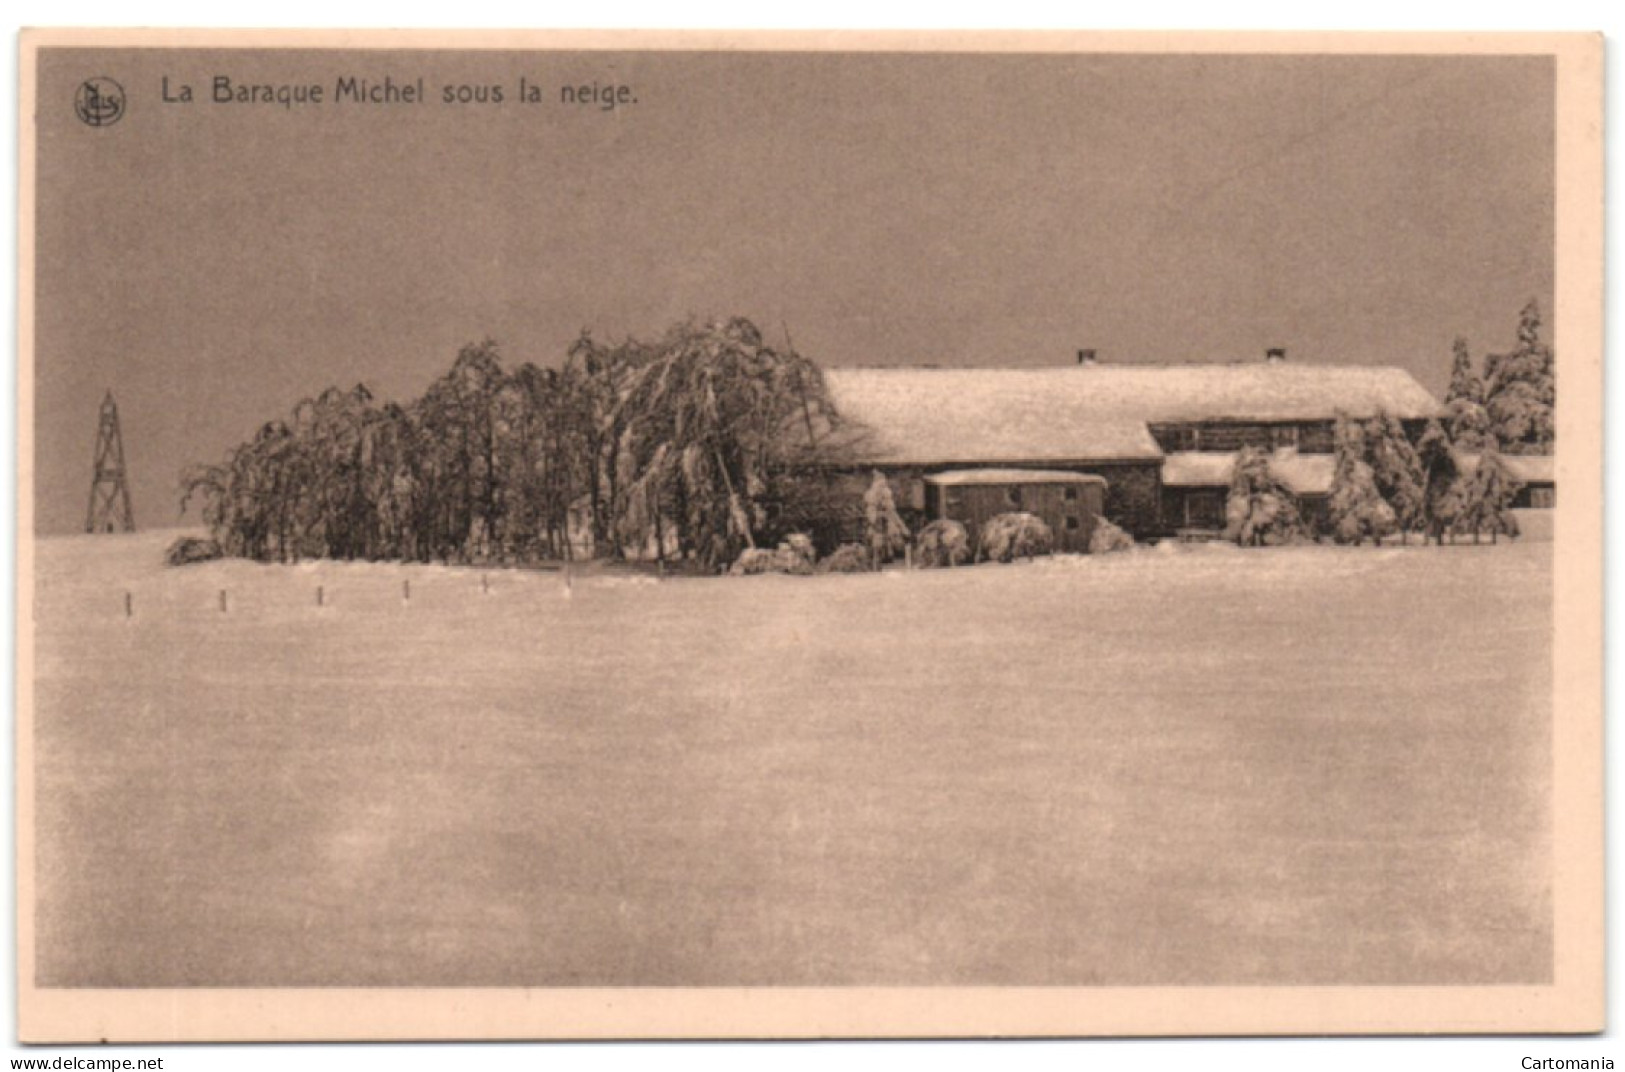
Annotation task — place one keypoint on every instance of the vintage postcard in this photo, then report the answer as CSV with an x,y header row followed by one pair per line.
x,y
538,535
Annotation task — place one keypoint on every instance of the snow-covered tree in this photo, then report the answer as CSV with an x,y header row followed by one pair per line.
x,y
884,530
1519,390
1355,508
1260,510
1439,476
705,424
1484,499
681,443
1466,419
1464,382
1398,471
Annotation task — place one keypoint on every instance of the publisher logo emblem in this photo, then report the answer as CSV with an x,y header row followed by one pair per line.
x,y
99,102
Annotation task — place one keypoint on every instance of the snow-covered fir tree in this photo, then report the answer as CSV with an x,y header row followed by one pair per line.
x,y
1260,509
884,529
1465,418
1484,499
1520,390
1397,469
1439,476
1355,508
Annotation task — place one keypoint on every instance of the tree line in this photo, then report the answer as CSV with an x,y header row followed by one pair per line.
x,y
1385,483
684,446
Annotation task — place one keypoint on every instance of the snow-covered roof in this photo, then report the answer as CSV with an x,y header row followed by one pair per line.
x,y
924,416
1198,469
1013,476
1524,468
1098,412
1303,474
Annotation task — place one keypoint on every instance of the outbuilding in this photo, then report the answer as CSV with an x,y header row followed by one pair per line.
x,y
1070,503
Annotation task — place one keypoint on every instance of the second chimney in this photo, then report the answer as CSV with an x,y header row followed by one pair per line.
x,y
1275,355
1086,357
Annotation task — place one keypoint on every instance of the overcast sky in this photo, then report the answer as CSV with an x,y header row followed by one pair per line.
x,y
212,263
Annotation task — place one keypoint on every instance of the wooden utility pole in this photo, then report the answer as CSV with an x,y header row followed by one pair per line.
x,y
109,488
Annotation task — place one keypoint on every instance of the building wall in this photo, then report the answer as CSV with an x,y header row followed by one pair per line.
x,y
1311,508
1311,437
1538,496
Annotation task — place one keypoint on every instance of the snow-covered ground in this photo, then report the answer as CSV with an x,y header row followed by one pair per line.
x,y
1198,765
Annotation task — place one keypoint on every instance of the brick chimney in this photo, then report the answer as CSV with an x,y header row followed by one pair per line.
x,y
1275,355
1087,358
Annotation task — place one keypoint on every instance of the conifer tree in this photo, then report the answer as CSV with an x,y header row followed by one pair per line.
x,y
1397,470
1260,509
1355,508
1484,499
884,529
1439,475
1519,390
1466,419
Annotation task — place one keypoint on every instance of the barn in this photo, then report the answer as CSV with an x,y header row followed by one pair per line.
x,y
1163,438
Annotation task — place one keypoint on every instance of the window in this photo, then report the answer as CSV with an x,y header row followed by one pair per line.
x,y
1012,495
1071,523
1315,438
1204,510
1070,494
955,496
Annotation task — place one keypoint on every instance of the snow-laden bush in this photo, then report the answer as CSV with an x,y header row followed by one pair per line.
x,y
799,543
189,550
943,543
781,559
794,555
847,558
1107,538
1007,537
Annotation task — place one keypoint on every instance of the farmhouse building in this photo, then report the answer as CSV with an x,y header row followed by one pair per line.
x,y
1163,438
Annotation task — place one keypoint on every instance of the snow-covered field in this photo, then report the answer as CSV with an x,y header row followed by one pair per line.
x,y
1206,765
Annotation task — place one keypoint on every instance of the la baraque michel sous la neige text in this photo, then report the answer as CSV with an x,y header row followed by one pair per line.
x,y
222,89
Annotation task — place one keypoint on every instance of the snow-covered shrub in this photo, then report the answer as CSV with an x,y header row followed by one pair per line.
x,y
189,550
1107,538
779,560
801,544
1007,537
847,558
943,543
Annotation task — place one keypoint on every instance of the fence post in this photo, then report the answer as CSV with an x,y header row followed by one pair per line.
x,y
406,590
318,595
222,601
129,610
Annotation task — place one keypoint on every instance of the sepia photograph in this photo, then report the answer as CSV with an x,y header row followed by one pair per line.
x,y
790,535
